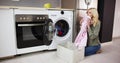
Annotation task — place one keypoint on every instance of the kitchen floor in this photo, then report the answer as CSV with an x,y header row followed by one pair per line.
x,y
110,54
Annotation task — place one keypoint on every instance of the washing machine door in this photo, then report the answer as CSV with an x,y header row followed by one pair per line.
x,y
49,32
62,28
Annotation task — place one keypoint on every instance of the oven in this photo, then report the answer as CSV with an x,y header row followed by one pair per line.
x,y
33,30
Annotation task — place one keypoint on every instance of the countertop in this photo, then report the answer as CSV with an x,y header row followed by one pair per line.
x,y
38,8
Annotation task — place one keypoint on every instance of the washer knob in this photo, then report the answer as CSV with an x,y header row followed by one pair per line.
x,y
62,12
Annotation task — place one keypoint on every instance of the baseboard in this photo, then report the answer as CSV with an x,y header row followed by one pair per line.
x,y
116,37
8,57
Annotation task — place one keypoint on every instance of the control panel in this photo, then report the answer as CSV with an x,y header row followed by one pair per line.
x,y
30,18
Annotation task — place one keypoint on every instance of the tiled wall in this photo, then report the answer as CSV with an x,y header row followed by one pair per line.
x,y
30,3
116,29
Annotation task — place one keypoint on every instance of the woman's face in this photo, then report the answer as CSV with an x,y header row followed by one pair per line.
x,y
89,13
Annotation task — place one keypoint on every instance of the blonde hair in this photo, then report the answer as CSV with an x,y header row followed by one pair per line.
x,y
95,16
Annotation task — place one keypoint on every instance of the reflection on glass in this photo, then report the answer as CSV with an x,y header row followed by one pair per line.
x,y
62,28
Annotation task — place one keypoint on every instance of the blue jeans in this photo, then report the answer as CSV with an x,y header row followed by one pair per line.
x,y
90,50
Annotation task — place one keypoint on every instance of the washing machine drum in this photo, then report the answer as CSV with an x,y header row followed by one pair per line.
x,y
62,28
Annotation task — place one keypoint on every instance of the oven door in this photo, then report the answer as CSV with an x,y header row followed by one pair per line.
x,y
32,34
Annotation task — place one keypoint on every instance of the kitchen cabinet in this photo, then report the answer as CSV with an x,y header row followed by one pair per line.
x,y
68,4
7,33
30,3
106,10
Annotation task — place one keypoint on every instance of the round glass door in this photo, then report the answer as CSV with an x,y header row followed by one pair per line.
x,y
62,28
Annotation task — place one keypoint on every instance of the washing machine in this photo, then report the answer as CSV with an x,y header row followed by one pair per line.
x,y
63,26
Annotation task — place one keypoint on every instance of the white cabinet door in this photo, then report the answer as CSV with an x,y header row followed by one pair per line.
x,y
7,33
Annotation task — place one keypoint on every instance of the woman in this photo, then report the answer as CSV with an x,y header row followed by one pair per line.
x,y
93,43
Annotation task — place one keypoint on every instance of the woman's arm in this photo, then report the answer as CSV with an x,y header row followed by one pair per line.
x,y
93,33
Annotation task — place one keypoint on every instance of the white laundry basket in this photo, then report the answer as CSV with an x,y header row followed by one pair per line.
x,y
69,53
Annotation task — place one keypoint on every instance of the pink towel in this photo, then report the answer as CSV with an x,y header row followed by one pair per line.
x,y
81,39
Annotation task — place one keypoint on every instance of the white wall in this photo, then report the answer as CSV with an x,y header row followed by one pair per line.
x,y
116,28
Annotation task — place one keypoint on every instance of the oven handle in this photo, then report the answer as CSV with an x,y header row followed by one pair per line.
x,y
21,25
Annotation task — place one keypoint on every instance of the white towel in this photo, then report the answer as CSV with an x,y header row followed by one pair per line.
x,y
81,39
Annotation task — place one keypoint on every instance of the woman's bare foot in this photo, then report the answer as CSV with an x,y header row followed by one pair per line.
x,y
99,51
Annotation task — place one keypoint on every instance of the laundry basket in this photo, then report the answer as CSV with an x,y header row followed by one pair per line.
x,y
69,53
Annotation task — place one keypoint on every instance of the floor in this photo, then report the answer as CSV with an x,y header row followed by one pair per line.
x,y
110,54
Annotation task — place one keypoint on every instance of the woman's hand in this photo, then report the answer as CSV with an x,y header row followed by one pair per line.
x,y
91,22
88,26
81,21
